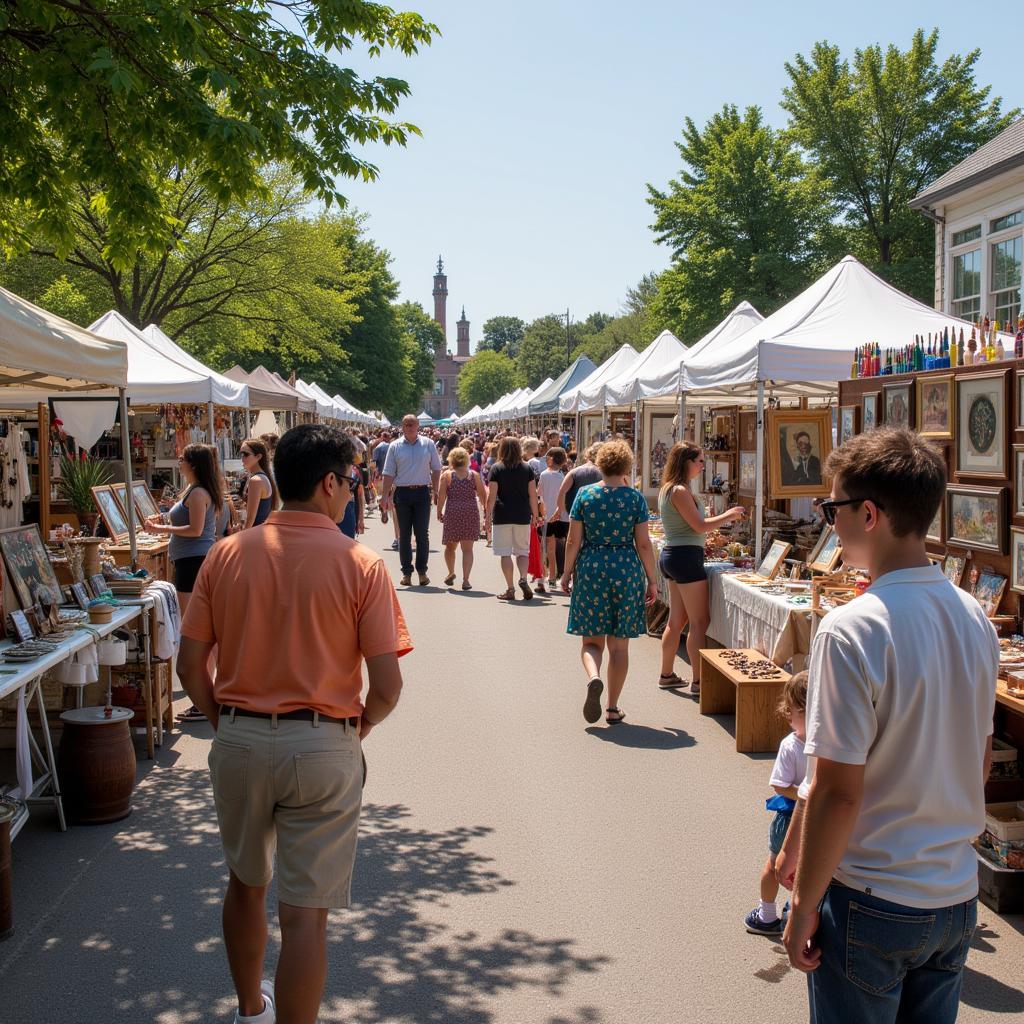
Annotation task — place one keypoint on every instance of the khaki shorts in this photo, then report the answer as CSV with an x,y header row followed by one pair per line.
x,y
295,787
511,538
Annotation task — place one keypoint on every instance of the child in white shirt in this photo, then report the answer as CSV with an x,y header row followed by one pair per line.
x,y
556,527
787,774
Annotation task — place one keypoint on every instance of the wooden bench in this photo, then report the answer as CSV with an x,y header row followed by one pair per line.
x,y
754,702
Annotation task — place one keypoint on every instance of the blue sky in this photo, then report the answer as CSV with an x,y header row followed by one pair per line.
x,y
543,122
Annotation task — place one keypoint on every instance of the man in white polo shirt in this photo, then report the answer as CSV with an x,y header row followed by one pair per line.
x,y
901,696
412,468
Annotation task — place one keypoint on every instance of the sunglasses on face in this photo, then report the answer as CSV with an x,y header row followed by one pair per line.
x,y
353,480
828,507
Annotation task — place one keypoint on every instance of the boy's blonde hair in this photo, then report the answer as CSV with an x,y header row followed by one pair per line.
x,y
794,695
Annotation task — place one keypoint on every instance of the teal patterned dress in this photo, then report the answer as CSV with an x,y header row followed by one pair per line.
x,y
610,584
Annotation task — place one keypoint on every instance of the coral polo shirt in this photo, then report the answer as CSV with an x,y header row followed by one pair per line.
x,y
294,607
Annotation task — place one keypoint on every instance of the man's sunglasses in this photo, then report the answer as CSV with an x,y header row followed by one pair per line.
x,y
353,481
828,507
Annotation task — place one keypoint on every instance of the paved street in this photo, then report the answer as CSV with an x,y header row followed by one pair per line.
x,y
516,866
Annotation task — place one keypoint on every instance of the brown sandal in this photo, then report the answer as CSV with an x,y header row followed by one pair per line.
x,y
449,579
671,682
507,595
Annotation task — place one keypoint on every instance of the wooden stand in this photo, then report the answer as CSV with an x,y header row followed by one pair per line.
x,y
152,558
754,702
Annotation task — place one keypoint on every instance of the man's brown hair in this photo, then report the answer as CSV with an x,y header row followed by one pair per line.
x,y
898,470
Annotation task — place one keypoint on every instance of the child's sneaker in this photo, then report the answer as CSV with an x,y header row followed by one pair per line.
x,y
758,927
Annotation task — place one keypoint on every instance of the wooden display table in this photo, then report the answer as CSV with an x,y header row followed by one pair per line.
x,y
727,691
151,557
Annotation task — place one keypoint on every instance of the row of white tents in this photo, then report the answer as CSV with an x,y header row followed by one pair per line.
x,y
800,351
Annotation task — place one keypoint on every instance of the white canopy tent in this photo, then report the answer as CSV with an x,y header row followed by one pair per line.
x,y
325,406
807,346
660,358
617,362
521,406
425,418
500,409
545,400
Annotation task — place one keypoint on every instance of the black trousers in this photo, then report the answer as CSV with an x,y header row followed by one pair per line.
x,y
412,507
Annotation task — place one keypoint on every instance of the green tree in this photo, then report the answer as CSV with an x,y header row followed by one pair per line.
x,y
503,334
543,350
621,330
421,335
64,298
485,378
103,94
881,129
746,219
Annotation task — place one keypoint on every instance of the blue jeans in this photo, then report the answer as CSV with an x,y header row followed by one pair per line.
x,y
883,963
412,507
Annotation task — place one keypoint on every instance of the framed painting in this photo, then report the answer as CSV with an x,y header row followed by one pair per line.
x,y
121,493
988,591
936,404
747,482
981,425
81,596
748,431
773,559
976,517
847,422
23,631
145,505
28,566
897,400
1019,388
828,552
660,441
936,532
799,441
869,411
111,512
1017,560
1018,480
953,568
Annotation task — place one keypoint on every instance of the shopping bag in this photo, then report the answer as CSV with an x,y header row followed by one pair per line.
x,y
536,564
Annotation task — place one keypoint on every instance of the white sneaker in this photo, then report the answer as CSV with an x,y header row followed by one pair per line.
x,y
268,1016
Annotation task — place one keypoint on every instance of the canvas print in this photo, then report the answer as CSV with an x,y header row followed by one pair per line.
x,y
847,422
110,510
747,483
661,444
897,405
145,506
981,419
773,559
988,591
869,411
953,568
1017,560
799,442
975,517
828,553
28,565
935,407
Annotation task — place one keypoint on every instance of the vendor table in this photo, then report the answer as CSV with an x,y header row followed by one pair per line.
x,y
25,680
745,616
151,557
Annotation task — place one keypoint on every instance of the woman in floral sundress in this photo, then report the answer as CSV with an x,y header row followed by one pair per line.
x,y
610,549
458,506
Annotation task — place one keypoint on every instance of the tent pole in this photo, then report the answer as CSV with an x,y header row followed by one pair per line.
x,y
759,478
210,435
681,435
636,440
126,458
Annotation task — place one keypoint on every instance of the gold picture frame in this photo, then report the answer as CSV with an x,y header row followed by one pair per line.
x,y
936,406
113,515
827,551
798,443
772,561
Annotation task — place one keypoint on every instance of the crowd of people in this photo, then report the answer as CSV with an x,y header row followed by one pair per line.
x,y
870,830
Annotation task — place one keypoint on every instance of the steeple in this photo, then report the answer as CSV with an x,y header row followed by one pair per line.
x,y
462,337
440,305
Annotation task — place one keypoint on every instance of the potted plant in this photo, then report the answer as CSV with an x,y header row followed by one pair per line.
x,y
77,479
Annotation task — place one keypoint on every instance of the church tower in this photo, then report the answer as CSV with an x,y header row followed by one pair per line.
x,y
462,339
440,304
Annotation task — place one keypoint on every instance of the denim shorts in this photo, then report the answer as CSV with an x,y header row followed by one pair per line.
x,y
777,832
683,563
882,962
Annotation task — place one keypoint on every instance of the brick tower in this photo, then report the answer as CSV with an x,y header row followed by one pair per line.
x,y
462,337
440,304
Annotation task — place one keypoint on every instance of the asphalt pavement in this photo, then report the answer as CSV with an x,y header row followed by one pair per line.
x,y
516,866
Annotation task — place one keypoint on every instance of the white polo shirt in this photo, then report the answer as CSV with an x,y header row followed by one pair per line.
x,y
902,680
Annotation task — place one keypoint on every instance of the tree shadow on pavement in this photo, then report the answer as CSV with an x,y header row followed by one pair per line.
x,y
629,734
123,920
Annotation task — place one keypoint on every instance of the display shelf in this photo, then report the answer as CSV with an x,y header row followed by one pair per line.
x,y
1004,698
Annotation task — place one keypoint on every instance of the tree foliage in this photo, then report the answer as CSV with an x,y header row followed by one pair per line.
x,y
746,219
503,334
421,335
103,94
880,129
486,377
544,350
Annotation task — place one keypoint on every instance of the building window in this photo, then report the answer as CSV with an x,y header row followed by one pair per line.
x,y
1011,220
1006,277
439,386
967,284
967,235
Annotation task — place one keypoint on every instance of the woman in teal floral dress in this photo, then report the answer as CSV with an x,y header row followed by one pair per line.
x,y
610,549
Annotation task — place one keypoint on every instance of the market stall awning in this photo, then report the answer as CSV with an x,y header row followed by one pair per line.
x,y
521,406
268,391
325,407
546,400
811,340
660,357
156,379
425,419
570,401
41,353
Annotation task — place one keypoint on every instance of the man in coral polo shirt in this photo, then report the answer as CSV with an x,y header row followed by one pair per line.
x,y
294,608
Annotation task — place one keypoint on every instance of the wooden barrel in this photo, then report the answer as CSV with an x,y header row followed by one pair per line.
x,y
96,766
8,809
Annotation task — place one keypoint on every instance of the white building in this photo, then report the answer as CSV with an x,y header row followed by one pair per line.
x,y
978,210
